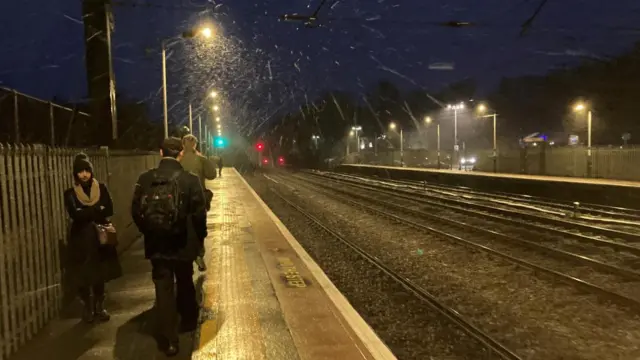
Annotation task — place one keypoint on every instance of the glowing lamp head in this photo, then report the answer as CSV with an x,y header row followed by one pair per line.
x,y
206,32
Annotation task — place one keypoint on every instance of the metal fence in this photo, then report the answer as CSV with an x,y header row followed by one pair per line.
x,y
607,163
26,119
33,229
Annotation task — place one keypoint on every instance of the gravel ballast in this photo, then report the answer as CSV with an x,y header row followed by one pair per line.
x,y
534,317
408,326
619,284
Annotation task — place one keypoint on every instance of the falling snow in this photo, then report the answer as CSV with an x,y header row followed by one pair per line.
x,y
265,66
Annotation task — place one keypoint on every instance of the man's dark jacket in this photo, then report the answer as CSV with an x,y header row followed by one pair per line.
x,y
193,222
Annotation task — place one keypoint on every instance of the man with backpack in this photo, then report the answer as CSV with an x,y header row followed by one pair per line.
x,y
195,163
168,207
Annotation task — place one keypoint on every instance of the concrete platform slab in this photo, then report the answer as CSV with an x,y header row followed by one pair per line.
x,y
266,298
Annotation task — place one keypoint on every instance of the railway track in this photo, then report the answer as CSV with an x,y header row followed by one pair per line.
x,y
493,346
605,284
596,212
593,235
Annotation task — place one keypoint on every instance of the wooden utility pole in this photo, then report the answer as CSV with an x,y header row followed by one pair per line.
x,y
98,25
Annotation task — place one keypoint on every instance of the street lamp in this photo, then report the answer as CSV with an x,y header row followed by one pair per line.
x,y
315,139
456,149
428,121
213,94
218,119
393,126
216,108
204,32
481,109
357,130
579,107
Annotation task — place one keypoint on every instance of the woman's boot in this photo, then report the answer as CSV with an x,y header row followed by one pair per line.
x,y
100,313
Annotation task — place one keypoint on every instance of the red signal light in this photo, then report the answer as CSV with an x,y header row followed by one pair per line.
x,y
281,160
259,146
265,161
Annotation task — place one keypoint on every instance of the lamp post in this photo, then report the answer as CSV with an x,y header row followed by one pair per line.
x,y
429,121
200,129
315,139
204,32
456,149
579,108
481,109
392,126
190,119
357,130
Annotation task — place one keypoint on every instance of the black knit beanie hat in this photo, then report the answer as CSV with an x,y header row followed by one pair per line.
x,y
81,162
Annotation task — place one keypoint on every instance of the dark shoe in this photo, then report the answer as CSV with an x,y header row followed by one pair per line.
x,y
201,265
87,312
100,313
172,349
188,326
87,315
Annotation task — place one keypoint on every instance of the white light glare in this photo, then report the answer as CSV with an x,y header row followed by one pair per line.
x,y
471,160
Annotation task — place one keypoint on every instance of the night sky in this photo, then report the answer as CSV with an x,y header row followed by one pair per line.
x,y
263,64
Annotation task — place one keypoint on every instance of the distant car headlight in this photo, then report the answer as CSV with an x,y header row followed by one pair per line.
x,y
472,160
463,161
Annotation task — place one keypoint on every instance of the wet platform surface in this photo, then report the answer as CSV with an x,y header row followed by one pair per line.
x,y
129,334
262,297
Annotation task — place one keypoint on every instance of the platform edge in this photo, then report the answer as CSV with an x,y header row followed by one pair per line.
x,y
361,328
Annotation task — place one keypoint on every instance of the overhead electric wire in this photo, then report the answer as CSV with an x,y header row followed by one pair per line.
x,y
149,5
524,27
527,24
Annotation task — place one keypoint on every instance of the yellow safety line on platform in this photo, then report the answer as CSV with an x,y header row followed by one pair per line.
x,y
234,332
369,338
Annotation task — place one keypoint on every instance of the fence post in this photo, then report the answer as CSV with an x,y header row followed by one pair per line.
x,y
16,117
52,124
6,263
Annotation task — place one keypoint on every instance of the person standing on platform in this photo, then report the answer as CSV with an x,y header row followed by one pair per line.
x,y
169,209
194,162
91,263
220,165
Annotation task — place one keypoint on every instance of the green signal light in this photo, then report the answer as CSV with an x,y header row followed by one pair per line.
x,y
220,142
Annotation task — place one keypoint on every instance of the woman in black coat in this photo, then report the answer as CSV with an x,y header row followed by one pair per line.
x,y
91,264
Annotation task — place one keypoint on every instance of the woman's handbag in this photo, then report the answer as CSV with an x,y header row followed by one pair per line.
x,y
107,234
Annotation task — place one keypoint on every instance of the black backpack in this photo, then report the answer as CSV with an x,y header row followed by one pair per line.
x,y
161,203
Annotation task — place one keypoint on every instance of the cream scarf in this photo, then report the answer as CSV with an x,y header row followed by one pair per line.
x,y
82,196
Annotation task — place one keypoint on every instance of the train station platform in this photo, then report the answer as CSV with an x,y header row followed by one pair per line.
x,y
262,297
602,191
546,178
